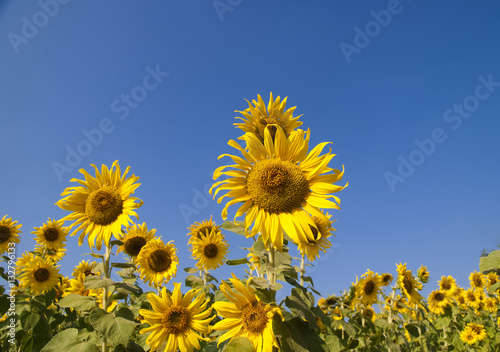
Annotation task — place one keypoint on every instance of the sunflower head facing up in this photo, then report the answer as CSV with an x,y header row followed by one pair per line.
x,y
177,321
321,232
101,205
40,276
9,233
52,234
408,284
448,284
246,316
157,262
134,239
259,118
197,229
210,250
280,185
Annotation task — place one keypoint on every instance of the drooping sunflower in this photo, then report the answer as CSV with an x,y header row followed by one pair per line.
x,y
210,251
369,313
246,316
102,206
438,301
40,276
423,274
52,234
468,336
9,231
386,279
368,288
204,228
257,118
177,321
280,185
157,262
409,285
448,284
321,232
477,280
134,238
85,267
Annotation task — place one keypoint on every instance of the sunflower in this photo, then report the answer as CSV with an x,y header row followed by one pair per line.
x,y
210,251
40,276
468,336
158,262
102,205
52,234
408,285
460,298
134,238
369,313
337,314
321,232
8,233
257,118
176,320
448,284
279,184
246,316
99,294
438,301
204,228
368,288
473,297
492,278
491,304
254,261
386,279
24,259
61,287
477,280
53,254
478,330
423,274
77,286
86,268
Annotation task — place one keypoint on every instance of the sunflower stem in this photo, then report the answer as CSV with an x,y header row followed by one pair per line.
x,y
302,270
105,291
271,275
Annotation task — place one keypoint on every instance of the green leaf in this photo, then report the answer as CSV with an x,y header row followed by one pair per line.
x,y
194,281
127,288
95,255
191,270
494,287
412,329
237,228
27,343
29,319
117,327
490,262
259,282
123,265
78,302
333,343
94,282
67,341
296,335
298,304
239,344
259,247
237,261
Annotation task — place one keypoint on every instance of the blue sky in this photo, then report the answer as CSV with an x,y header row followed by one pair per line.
x,y
162,81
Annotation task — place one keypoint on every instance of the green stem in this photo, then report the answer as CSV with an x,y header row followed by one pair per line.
x,y
302,270
271,276
106,273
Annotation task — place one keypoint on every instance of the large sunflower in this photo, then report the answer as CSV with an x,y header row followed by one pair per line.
x,y
8,233
40,276
51,235
198,229
210,250
368,288
408,284
321,232
158,262
134,238
102,206
246,316
438,301
280,185
176,320
257,117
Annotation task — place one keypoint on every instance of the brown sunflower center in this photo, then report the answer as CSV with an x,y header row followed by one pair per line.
x,y
446,285
41,274
210,250
408,285
205,231
439,297
176,320
478,282
159,261
315,233
4,234
254,317
369,287
368,313
277,186
88,272
471,297
51,234
104,205
386,279
134,245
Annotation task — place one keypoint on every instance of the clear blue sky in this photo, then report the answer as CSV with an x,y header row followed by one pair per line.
x,y
369,76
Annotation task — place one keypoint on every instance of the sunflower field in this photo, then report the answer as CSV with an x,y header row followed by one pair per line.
x,y
283,189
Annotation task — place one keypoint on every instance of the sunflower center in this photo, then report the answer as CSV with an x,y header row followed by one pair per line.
x,y
205,231
478,281
408,285
210,250
277,186
4,234
159,261
254,317
369,287
265,123
51,234
176,320
103,206
315,233
439,297
134,245
88,272
41,275
446,286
